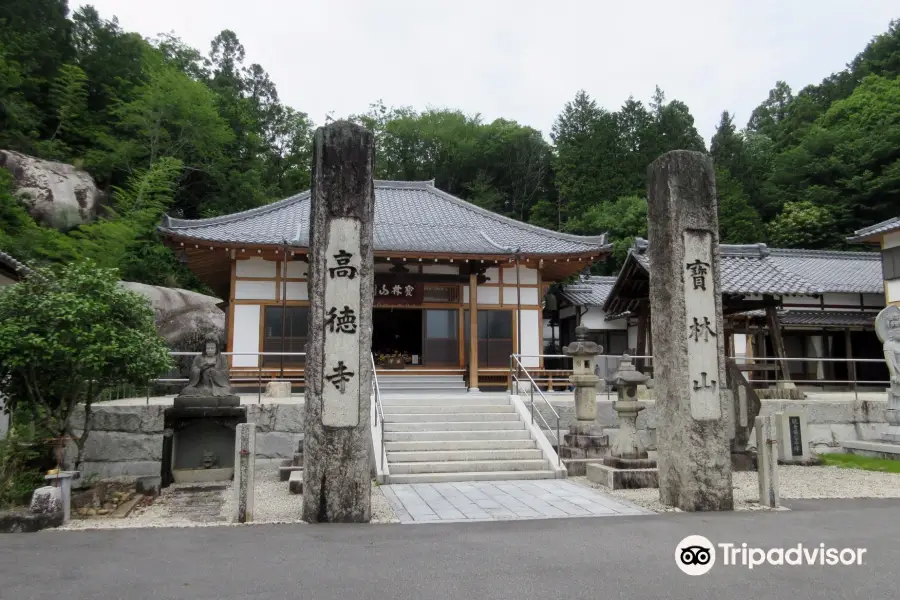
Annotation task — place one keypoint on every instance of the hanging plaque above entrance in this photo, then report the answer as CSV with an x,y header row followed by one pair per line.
x,y
392,291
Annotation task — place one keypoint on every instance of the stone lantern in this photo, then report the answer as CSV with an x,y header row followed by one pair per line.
x,y
628,465
584,353
583,444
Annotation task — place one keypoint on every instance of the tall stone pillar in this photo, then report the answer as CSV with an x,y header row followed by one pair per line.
x,y
337,444
688,346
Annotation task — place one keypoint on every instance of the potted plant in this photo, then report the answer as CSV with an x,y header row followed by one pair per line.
x,y
392,360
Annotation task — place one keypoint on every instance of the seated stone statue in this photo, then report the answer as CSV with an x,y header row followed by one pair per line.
x,y
209,377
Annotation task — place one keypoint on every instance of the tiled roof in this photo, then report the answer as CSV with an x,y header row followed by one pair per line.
x,y
410,216
11,265
818,318
747,269
834,272
866,233
592,291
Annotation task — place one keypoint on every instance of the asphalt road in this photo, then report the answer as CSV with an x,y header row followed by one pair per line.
x,y
592,558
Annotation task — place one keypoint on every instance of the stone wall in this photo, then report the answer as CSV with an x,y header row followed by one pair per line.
x,y
127,441
830,422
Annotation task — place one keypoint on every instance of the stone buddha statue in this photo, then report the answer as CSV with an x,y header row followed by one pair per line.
x,y
209,379
887,326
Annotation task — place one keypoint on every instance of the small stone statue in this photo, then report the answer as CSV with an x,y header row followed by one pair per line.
x,y
209,459
887,325
209,379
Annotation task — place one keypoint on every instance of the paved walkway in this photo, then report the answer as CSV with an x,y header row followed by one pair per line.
x,y
501,501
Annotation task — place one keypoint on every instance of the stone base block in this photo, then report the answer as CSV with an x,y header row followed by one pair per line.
x,y
278,389
586,441
295,482
297,461
582,428
206,401
284,473
743,461
578,466
148,486
873,449
202,475
627,478
23,521
595,453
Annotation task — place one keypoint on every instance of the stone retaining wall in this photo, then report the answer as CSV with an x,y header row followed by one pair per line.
x,y
127,441
830,422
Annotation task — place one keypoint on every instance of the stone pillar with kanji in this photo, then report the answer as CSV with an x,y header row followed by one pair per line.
x,y
337,442
692,414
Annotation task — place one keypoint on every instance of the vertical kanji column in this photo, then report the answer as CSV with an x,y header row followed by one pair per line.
x,y
693,431
337,442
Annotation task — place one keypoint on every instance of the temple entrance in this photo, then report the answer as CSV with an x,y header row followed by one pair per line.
x,y
395,332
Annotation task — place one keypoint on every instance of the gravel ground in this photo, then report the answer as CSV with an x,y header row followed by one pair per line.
x,y
273,504
794,483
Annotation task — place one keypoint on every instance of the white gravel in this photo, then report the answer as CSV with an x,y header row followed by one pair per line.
x,y
794,483
273,504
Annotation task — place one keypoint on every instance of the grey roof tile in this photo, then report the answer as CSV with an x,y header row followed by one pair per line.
x,y
832,271
592,291
11,265
817,318
409,217
892,224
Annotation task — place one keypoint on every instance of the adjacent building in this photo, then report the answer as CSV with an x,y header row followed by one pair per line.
x,y
11,271
777,303
886,235
458,288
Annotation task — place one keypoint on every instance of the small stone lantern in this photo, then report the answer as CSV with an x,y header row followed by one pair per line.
x,y
627,444
583,353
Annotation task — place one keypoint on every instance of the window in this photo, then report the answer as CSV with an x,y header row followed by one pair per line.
x,y
296,320
441,337
890,262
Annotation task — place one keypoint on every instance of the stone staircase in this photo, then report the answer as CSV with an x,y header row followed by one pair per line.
x,y
389,382
459,437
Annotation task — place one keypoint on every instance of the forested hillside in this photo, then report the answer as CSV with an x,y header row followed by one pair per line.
x,y
163,127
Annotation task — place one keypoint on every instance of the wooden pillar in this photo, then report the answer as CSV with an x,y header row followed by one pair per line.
x,y
851,366
777,340
643,318
473,332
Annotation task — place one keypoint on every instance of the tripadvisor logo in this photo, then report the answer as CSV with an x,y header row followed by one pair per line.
x,y
696,555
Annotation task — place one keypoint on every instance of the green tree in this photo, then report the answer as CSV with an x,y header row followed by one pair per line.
x,y
804,225
623,219
739,223
67,335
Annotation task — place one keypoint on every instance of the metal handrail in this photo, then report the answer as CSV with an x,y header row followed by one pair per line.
x,y
533,387
376,389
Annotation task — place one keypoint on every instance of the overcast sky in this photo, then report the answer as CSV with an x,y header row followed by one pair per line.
x,y
523,59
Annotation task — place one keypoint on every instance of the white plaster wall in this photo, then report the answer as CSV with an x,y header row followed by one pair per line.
x,y
529,296
842,299
487,295
892,240
297,290
791,300
531,336
296,269
254,290
632,336
526,275
893,291
465,296
246,334
595,318
441,269
255,267
493,275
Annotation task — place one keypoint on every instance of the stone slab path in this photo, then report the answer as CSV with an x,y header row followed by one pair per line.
x,y
502,501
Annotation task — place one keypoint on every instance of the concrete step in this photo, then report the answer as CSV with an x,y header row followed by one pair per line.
x,y
418,392
449,399
463,455
472,476
392,377
423,426
434,409
468,466
416,435
450,417
431,446
295,483
284,473
388,386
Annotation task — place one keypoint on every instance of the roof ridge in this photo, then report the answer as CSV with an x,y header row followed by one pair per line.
x,y
876,226
173,223
601,239
811,288
825,253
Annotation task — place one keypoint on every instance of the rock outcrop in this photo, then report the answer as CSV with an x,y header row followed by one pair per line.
x,y
183,318
55,194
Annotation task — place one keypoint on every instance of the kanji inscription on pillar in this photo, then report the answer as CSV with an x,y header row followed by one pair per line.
x,y
701,334
340,389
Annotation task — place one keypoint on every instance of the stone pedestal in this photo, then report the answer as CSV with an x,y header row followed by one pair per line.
x,y
628,465
206,401
244,471
766,441
793,437
63,480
